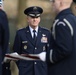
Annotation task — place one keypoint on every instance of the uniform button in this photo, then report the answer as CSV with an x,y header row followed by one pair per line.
x,y
35,63
35,47
6,67
9,43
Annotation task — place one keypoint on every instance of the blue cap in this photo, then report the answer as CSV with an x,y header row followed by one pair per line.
x,y
33,11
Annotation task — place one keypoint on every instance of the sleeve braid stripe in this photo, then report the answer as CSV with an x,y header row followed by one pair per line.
x,y
70,26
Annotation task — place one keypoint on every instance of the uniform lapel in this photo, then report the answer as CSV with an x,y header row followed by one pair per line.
x,y
39,35
28,35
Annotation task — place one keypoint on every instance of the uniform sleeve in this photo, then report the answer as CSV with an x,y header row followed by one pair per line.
x,y
17,43
62,44
50,47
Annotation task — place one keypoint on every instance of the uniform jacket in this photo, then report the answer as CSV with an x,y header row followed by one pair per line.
x,y
4,33
24,44
4,36
63,50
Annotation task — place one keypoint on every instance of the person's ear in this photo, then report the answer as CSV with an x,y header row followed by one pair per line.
x,y
27,19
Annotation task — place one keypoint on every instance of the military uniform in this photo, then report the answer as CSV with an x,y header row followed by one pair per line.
x,y
24,44
4,37
62,58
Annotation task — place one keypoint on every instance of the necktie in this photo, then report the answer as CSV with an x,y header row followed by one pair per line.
x,y
34,36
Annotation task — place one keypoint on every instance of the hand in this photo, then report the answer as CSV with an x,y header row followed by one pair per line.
x,y
42,56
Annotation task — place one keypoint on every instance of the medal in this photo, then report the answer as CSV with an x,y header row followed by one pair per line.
x,y
25,47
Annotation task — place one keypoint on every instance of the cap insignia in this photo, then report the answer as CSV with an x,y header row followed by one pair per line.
x,y
34,8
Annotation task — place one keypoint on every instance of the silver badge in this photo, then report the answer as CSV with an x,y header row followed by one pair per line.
x,y
35,8
44,39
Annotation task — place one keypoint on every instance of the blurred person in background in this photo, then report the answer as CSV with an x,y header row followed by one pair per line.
x,y
75,3
73,7
32,40
4,41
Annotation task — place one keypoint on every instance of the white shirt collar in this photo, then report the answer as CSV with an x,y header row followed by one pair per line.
x,y
31,30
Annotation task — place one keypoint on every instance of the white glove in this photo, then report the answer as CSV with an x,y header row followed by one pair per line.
x,y
42,56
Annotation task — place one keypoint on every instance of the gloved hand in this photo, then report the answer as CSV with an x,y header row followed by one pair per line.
x,y
42,56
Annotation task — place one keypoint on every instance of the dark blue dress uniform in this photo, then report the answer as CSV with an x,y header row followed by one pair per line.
x,y
62,54
4,36
24,44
